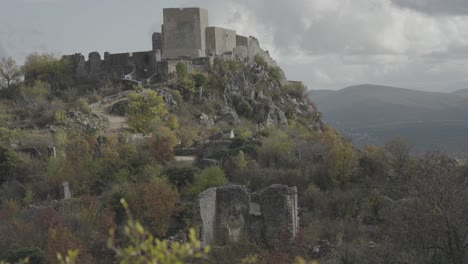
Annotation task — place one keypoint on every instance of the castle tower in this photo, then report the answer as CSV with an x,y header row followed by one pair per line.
x,y
184,32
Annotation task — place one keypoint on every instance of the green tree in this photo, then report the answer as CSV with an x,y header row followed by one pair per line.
x,y
260,61
339,156
10,72
200,79
180,177
182,71
143,110
47,68
172,122
276,150
209,177
276,74
342,162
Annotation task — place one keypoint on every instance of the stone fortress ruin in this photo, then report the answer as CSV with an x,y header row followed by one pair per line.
x,y
231,214
228,213
185,37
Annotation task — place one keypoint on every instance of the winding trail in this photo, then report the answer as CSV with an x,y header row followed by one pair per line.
x,y
116,123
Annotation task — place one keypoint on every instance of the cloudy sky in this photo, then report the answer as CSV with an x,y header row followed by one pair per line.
x,y
328,44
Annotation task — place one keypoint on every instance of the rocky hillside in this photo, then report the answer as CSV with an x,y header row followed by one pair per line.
x,y
231,94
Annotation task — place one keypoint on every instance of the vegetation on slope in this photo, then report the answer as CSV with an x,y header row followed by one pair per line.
x,y
369,205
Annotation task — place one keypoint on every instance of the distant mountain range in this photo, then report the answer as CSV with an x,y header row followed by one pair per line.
x,y
373,114
461,92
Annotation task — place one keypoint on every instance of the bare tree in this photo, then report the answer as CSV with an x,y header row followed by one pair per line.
x,y
10,72
432,220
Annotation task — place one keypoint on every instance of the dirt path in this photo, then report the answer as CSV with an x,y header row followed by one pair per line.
x,y
116,123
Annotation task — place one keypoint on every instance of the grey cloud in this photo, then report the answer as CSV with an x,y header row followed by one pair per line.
x,y
331,44
435,7
317,27
454,52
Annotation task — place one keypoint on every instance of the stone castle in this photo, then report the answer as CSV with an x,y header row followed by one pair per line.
x,y
185,37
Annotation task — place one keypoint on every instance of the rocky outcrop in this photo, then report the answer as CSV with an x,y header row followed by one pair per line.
x,y
254,93
83,121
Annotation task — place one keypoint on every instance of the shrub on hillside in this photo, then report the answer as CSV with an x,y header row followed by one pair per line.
x,y
154,203
143,110
209,177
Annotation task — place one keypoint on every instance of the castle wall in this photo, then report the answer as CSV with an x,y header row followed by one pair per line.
x,y
242,41
145,64
166,68
220,40
79,64
184,32
118,64
157,40
185,37
254,49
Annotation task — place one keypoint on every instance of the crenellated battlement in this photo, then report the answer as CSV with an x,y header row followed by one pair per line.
x,y
185,37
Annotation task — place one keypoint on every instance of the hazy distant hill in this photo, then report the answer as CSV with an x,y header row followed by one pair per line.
x,y
373,113
461,92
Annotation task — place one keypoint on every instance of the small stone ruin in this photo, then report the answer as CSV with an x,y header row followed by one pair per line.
x,y
64,193
231,214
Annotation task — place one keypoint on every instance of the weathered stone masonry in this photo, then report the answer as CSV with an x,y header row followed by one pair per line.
x,y
185,36
231,214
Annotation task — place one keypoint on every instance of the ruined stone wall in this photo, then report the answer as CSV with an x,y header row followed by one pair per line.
x,y
118,64
157,39
231,214
202,64
145,64
184,32
166,68
214,146
279,210
207,203
242,41
254,49
79,65
220,40
138,65
185,37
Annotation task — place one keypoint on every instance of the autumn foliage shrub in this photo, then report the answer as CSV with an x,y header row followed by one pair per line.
x,y
154,203
162,145
60,240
